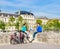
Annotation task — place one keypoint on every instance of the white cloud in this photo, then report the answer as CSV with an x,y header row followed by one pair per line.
x,y
52,9
46,14
7,3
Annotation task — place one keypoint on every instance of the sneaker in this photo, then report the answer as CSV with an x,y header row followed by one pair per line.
x,y
31,40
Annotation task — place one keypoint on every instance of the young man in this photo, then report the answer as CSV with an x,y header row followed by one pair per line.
x,y
38,30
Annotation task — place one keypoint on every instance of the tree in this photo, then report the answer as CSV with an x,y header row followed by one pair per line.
x,y
17,25
48,26
53,24
50,23
59,26
45,27
56,24
11,21
20,19
39,21
2,25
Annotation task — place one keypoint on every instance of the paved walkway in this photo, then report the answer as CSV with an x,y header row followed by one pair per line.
x,y
30,46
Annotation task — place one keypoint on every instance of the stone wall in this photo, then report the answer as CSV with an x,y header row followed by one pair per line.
x,y
49,37
4,38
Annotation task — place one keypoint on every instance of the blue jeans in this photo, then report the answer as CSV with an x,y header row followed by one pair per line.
x,y
35,34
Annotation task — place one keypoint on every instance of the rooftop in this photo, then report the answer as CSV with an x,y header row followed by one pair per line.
x,y
8,14
16,13
25,12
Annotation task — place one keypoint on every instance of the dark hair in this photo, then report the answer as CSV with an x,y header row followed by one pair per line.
x,y
24,23
38,23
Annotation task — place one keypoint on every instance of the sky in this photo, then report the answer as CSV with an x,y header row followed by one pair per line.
x,y
48,8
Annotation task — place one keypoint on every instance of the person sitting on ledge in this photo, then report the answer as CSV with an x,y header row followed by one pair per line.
x,y
38,30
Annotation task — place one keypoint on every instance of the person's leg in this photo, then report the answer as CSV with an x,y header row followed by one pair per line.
x,y
20,40
33,36
26,36
24,32
23,38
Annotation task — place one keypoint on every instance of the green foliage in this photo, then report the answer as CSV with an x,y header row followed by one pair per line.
x,y
45,27
19,22
53,24
39,21
2,25
20,19
17,25
12,19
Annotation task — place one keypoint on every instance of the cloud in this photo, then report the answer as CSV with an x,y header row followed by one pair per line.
x,y
48,15
7,3
49,10
39,7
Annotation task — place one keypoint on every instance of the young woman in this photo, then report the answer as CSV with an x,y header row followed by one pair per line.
x,y
24,30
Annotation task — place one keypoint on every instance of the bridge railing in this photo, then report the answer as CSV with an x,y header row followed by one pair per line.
x,y
50,37
47,37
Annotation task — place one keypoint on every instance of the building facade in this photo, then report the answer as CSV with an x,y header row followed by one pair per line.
x,y
27,16
44,19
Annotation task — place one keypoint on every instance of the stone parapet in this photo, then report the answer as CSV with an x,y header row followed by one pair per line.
x,y
4,38
49,37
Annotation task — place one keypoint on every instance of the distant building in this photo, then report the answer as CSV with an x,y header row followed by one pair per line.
x,y
43,18
27,16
